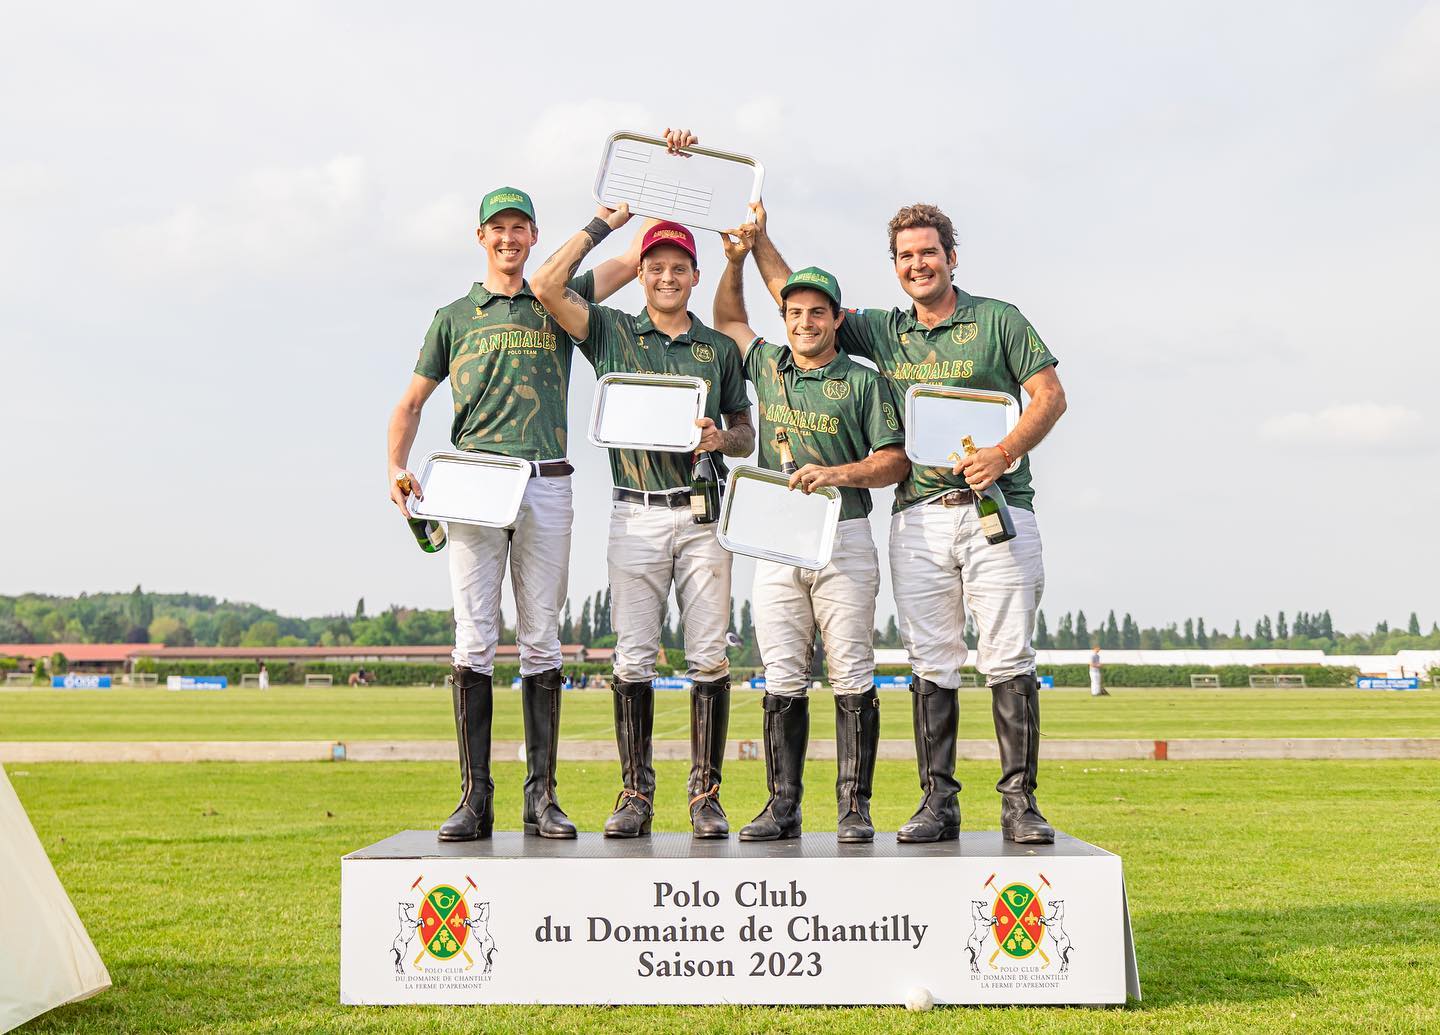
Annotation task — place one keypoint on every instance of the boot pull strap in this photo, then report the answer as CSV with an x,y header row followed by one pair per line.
x,y
713,792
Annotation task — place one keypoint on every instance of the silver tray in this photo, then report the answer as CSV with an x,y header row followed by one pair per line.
x,y
709,189
648,411
937,417
763,517
472,488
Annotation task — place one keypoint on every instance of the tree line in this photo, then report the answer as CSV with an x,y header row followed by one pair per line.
x,y
189,619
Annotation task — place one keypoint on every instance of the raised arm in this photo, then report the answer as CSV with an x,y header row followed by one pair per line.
x,y
404,422
571,311
886,466
613,274
730,317
772,267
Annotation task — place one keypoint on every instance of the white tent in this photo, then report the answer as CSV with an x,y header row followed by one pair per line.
x,y
46,958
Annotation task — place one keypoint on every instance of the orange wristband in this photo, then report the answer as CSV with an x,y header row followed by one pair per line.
x,y
1009,460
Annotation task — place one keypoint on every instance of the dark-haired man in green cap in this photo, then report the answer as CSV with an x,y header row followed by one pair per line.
x,y
842,425
509,369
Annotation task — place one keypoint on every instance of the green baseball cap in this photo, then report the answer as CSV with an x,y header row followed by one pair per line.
x,y
506,197
813,277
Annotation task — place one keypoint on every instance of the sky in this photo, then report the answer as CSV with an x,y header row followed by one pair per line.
x,y
224,230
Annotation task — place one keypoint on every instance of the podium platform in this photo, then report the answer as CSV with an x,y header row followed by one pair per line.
x,y
672,919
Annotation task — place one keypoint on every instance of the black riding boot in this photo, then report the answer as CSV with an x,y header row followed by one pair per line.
x,y
540,701
634,721
936,713
1015,706
709,723
857,741
474,817
787,732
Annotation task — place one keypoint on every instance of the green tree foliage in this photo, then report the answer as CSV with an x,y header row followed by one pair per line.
x,y
1110,638
1082,632
1042,633
1065,635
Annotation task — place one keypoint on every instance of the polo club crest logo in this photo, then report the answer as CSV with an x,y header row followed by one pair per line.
x,y
964,333
445,926
1018,923
836,389
539,309
703,353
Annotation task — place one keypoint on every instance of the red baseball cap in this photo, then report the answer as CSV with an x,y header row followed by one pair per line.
x,y
669,233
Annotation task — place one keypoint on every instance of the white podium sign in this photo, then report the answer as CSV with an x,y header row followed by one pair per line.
x,y
667,919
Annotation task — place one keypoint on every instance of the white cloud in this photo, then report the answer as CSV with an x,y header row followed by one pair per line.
x,y
1413,63
271,218
1359,423
760,117
22,181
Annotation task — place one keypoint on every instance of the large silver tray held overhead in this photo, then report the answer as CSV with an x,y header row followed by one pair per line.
x,y
648,411
937,417
764,518
703,188
472,488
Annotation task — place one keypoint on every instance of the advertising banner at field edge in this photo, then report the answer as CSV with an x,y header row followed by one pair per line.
x,y
75,681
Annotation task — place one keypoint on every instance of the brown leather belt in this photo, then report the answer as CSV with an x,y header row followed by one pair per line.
x,y
954,498
551,469
675,499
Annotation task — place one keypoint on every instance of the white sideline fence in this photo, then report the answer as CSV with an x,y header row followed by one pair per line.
x,y
317,679
1259,682
969,679
141,679
1204,680
250,679
19,678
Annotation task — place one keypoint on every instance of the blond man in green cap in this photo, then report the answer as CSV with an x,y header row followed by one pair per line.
x,y
508,364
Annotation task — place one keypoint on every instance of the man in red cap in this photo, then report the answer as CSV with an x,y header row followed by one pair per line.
x,y
654,540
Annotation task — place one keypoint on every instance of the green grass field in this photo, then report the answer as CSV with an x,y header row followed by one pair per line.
x,y
405,713
1293,896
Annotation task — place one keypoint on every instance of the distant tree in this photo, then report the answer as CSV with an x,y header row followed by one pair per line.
x,y
892,632
59,664
747,627
1282,631
108,627
1082,632
232,627
667,635
1327,629
1382,627
1414,627
567,624
1065,635
1110,637
586,631
1042,634
1201,639
360,608
1129,633
1266,633
264,633
137,634
970,630
13,631
1189,632
609,618
140,610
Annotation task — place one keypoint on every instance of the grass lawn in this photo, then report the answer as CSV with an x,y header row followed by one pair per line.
x,y
1266,896
406,713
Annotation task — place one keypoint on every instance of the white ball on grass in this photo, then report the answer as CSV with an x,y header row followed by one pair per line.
x,y
919,999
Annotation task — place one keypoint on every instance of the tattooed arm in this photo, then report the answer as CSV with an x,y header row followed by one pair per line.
x,y
571,311
738,438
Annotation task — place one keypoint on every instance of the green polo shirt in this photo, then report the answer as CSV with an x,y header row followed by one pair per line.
x,y
984,343
618,343
508,362
836,414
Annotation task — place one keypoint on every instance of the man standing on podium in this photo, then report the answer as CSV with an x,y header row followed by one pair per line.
x,y
940,562
509,370
840,423
654,541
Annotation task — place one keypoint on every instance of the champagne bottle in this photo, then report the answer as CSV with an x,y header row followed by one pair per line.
x,y
990,507
787,459
428,532
704,490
